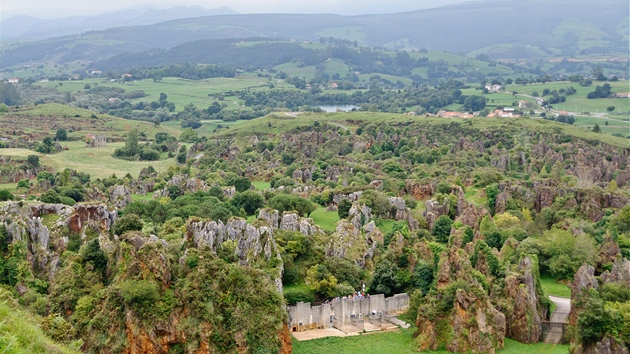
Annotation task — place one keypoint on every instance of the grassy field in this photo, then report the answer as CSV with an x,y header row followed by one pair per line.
x,y
327,220
21,334
552,287
138,197
42,120
181,92
402,342
261,185
275,124
578,101
98,162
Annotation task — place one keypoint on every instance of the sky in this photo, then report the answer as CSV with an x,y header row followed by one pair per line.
x,y
65,8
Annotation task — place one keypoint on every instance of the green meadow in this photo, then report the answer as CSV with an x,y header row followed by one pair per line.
x,y
402,342
97,162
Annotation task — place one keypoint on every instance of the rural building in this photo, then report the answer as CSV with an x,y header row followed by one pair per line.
x,y
504,113
494,88
622,95
92,140
14,81
444,114
96,72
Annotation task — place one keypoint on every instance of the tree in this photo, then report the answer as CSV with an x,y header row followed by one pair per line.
x,y
249,200
384,280
5,195
610,109
182,154
442,228
597,129
474,103
131,143
128,222
33,160
240,183
188,135
343,208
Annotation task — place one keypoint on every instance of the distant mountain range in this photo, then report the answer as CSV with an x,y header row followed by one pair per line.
x,y
24,27
523,29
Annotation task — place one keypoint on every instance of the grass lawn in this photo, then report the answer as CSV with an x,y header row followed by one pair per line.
x,y
402,342
261,185
327,220
552,287
137,197
9,186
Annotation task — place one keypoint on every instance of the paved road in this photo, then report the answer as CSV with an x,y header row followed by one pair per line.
x,y
563,307
561,314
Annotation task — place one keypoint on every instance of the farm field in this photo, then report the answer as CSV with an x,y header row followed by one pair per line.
x,y
181,92
578,101
97,162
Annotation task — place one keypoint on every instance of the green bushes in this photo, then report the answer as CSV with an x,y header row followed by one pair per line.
x,y
442,228
128,222
141,296
5,195
295,294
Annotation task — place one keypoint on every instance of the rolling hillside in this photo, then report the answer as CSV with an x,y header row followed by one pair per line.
x,y
501,29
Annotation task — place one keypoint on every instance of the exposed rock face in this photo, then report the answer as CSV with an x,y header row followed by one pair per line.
x,y
41,232
620,273
544,197
185,184
354,243
525,315
419,191
470,214
354,196
473,324
583,281
434,210
251,240
271,216
359,215
607,345
120,196
609,251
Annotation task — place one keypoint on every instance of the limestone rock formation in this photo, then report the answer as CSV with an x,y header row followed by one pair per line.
x,y
460,316
609,251
583,281
354,243
620,272
608,345
524,312
120,196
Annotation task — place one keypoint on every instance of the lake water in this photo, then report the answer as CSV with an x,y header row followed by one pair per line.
x,y
335,108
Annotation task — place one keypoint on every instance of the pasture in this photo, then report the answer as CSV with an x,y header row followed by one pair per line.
x,y
97,162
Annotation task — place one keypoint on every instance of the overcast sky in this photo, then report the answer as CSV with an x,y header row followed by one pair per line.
x,y
64,8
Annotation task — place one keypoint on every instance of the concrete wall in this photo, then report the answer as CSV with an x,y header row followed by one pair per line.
x,y
303,316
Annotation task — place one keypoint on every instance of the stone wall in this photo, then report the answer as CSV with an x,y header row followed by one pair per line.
x,y
338,313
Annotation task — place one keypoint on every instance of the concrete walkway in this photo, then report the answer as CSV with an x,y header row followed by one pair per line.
x,y
560,315
563,307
